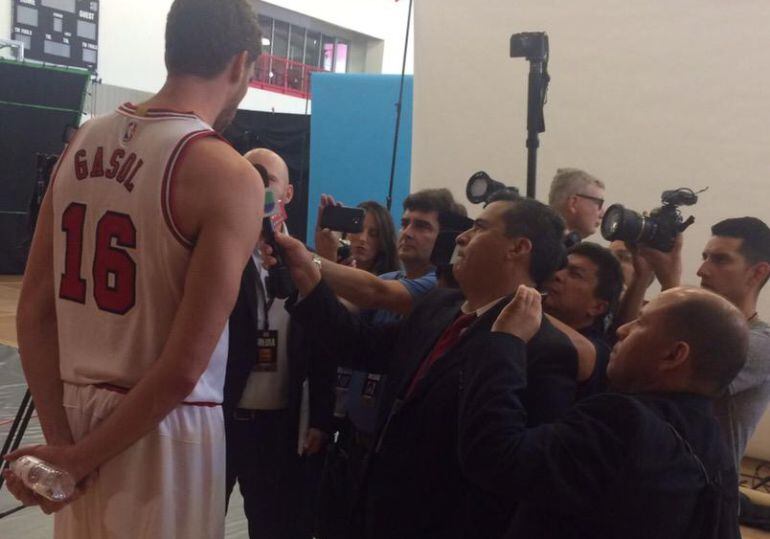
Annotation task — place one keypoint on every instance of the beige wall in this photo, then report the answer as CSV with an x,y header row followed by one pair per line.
x,y
645,95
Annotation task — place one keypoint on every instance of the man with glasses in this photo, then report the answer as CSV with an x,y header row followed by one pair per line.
x,y
579,199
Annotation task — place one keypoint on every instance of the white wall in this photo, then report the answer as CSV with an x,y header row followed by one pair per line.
x,y
646,95
131,42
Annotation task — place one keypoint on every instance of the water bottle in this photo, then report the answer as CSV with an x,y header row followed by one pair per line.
x,y
48,481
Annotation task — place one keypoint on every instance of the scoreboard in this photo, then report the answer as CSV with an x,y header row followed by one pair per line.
x,y
64,32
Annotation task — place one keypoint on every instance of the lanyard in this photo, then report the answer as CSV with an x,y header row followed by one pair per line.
x,y
266,304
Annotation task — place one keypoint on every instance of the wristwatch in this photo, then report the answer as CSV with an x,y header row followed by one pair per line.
x,y
317,260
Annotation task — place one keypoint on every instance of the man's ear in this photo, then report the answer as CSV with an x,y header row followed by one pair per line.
x,y
519,246
677,355
570,205
289,194
239,67
759,273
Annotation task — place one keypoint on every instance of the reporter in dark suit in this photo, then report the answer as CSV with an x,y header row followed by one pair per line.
x,y
263,400
414,486
645,461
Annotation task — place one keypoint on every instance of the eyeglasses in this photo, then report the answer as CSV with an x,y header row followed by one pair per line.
x,y
599,201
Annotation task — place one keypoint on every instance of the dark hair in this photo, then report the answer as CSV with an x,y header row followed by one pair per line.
x,y
609,275
427,200
716,333
386,259
754,233
202,36
542,226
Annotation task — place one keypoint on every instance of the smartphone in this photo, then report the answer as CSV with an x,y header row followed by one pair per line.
x,y
342,219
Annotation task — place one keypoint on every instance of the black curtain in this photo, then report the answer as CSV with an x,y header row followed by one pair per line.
x,y
288,135
36,106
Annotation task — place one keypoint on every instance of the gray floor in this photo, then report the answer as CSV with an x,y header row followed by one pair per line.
x,y
31,523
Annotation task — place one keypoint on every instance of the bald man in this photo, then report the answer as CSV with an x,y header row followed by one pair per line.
x,y
645,461
277,172
274,463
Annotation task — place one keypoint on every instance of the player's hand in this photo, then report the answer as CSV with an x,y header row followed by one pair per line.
x,y
315,441
522,316
61,457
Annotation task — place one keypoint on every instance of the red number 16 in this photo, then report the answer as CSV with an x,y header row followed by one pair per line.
x,y
114,271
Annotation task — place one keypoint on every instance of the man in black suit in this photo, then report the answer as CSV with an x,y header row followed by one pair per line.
x,y
263,399
647,461
414,485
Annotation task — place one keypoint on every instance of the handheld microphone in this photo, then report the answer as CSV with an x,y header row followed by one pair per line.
x,y
278,283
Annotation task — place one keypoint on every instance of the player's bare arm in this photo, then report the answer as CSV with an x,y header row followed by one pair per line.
x,y
37,331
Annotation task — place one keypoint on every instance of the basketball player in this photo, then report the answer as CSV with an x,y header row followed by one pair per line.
x,y
133,272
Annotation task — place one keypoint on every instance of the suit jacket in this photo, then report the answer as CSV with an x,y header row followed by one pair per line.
x,y
615,467
302,362
414,486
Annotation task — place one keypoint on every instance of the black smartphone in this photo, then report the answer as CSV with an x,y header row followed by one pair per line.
x,y
342,219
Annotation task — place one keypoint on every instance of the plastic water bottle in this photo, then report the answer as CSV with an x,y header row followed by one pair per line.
x,y
45,479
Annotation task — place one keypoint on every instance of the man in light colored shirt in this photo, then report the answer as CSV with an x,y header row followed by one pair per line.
x,y
278,402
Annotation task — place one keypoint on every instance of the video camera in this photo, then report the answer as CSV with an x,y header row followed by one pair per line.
x,y
479,189
657,230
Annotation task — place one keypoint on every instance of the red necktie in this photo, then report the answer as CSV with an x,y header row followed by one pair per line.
x,y
447,340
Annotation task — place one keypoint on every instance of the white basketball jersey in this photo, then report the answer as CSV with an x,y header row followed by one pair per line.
x,y
119,259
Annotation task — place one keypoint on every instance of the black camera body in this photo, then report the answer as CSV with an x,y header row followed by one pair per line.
x,y
658,230
530,45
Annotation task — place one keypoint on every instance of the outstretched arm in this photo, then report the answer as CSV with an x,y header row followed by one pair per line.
x,y
366,291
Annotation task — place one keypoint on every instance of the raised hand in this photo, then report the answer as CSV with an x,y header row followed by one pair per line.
x,y
522,316
326,241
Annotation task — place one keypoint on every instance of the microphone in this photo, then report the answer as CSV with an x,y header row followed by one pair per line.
x,y
278,283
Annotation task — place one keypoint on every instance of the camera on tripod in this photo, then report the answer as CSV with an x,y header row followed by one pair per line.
x,y
657,230
530,45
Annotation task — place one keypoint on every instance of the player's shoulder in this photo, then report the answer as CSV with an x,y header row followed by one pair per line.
x,y
212,162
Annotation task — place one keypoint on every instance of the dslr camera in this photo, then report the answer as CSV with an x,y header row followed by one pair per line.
x,y
530,45
658,229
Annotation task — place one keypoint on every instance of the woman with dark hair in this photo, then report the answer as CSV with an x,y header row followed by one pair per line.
x,y
374,248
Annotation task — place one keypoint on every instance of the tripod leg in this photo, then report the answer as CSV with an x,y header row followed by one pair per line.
x,y
23,426
18,428
19,414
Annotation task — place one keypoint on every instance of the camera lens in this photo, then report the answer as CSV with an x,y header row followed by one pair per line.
x,y
477,188
620,223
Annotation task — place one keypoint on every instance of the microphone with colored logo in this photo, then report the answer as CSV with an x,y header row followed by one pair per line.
x,y
278,283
